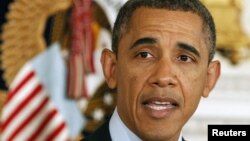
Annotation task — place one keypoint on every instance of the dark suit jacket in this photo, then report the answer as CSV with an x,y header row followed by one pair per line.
x,y
102,134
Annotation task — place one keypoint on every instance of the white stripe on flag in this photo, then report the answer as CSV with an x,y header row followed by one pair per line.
x,y
32,123
24,114
26,111
18,108
62,136
50,127
19,97
28,134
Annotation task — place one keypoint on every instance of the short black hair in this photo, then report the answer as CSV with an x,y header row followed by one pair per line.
x,y
195,6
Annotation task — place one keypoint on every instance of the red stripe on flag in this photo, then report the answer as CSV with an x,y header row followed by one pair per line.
x,y
29,119
42,125
19,86
55,133
21,106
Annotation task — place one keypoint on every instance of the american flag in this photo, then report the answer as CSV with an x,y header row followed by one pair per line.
x,y
29,114
31,111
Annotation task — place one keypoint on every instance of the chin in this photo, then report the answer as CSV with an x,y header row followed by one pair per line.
x,y
160,134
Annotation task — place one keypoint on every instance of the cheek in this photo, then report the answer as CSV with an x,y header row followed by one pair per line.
x,y
129,84
193,82
193,85
129,88
131,75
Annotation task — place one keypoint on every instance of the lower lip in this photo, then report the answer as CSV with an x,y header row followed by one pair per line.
x,y
159,113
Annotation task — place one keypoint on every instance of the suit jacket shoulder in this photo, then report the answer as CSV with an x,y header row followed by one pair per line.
x,y
101,134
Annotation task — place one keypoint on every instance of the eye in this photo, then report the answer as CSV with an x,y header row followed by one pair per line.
x,y
185,58
144,55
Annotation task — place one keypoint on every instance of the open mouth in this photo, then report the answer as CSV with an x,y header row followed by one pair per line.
x,y
159,107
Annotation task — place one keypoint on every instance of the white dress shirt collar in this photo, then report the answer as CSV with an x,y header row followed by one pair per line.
x,y
119,131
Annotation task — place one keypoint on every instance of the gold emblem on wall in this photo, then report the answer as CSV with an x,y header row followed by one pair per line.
x,y
23,33
232,41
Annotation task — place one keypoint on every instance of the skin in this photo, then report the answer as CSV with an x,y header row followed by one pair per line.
x,y
161,71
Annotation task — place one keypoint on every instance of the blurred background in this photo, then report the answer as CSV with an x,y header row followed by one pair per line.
x,y
80,29
229,102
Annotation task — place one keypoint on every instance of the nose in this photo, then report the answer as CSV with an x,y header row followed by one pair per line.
x,y
164,75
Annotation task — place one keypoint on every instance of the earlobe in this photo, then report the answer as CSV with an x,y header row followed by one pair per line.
x,y
108,61
213,74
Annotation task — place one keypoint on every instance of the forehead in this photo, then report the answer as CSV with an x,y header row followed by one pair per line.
x,y
187,21
164,25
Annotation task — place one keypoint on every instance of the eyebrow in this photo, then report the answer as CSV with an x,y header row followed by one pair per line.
x,y
151,40
189,48
144,41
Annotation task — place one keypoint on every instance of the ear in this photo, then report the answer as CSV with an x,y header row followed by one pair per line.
x,y
213,74
108,61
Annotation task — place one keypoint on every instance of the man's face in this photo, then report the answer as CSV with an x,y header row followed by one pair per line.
x,y
161,72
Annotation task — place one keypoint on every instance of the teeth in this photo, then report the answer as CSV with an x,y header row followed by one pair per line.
x,y
161,103
156,107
